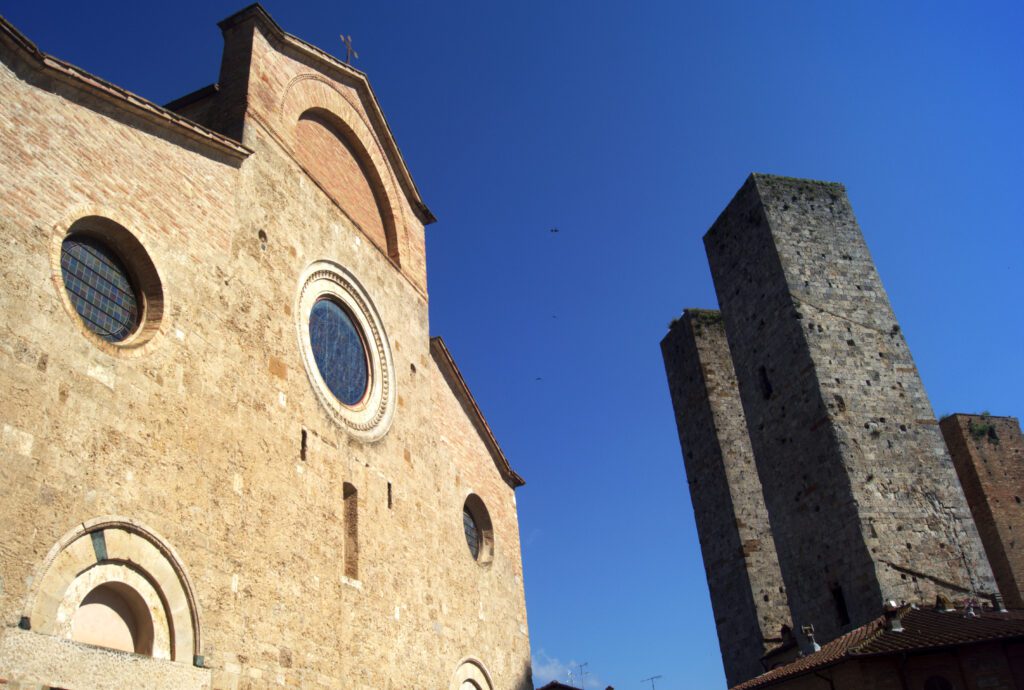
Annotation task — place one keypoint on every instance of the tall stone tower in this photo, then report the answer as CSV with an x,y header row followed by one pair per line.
x,y
988,453
863,498
742,568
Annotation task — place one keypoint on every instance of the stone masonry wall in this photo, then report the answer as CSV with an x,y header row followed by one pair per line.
x,y
862,495
988,453
742,568
211,435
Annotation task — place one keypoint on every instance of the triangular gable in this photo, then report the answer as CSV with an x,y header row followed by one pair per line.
x,y
453,377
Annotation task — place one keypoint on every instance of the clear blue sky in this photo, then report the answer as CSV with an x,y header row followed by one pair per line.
x,y
629,126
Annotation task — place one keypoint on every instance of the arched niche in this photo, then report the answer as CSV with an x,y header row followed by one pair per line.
x,y
113,582
332,140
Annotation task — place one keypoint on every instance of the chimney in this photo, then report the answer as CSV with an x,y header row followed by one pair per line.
x,y
893,621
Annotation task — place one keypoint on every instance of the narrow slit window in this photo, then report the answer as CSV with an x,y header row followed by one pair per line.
x,y
842,612
350,498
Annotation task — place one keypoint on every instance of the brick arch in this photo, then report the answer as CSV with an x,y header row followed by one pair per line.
x,y
473,670
151,566
310,95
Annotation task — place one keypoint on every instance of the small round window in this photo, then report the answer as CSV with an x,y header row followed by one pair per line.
x,y
99,288
476,525
339,351
109,283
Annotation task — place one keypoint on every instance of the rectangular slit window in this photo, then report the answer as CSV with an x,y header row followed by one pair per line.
x,y
350,499
766,385
840,601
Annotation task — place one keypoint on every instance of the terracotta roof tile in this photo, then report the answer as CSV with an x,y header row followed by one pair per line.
x,y
922,629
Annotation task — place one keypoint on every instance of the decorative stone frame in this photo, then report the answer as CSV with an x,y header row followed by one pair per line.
x,y
132,554
370,418
473,670
99,224
475,505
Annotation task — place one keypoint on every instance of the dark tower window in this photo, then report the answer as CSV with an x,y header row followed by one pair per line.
x,y
766,385
842,612
99,288
339,351
472,533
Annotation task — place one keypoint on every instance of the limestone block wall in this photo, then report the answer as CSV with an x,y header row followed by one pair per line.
x,y
863,498
747,592
988,453
211,436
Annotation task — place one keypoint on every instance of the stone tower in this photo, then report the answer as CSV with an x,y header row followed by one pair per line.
x,y
742,567
988,453
862,495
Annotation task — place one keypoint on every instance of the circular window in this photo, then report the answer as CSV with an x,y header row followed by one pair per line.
x,y
99,288
339,351
109,283
345,350
476,525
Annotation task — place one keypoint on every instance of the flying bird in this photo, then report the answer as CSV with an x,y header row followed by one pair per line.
x,y
553,230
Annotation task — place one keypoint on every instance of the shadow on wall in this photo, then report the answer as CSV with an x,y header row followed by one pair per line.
x,y
525,681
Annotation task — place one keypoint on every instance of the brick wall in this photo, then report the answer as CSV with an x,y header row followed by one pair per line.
x,y
332,162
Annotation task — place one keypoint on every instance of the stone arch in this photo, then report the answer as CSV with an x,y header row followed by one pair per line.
x,y
124,554
470,672
313,94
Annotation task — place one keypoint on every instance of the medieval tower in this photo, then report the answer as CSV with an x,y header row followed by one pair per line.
x,y
862,499
231,453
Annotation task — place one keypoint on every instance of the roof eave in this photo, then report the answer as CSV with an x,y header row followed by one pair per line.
x,y
120,97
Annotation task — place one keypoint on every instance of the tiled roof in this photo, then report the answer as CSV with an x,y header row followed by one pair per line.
x,y
922,629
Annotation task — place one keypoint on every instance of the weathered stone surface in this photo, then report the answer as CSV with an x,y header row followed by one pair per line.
x,y
988,453
863,498
211,434
742,568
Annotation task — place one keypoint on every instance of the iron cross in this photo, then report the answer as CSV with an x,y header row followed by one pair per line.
x,y
349,53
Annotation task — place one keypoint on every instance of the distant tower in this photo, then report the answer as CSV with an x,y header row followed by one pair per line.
x,y
863,498
742,568
988,453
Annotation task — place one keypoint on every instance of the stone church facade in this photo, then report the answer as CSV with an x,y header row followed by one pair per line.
x,y
820,479
231,453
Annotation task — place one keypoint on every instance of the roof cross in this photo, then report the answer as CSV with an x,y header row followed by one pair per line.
x,y
349,53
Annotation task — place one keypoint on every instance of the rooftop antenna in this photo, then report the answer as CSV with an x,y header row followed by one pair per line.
x,y
349,53
652,679
583,673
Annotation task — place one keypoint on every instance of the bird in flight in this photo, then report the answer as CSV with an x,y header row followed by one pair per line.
x,y
553,230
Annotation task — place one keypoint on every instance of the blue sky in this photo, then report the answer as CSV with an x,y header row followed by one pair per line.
x,y
629,126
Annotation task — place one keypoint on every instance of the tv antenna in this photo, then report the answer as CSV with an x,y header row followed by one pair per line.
x,y
583,673
652,679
